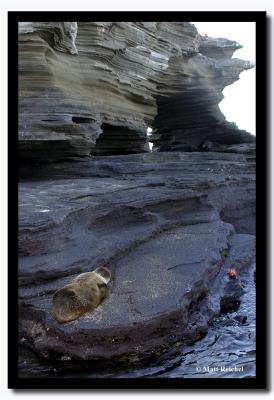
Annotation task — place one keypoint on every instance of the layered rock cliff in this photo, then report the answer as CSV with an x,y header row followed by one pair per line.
x,y
96,87
167,223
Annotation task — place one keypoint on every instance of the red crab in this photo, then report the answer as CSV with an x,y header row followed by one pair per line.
x,y
232,273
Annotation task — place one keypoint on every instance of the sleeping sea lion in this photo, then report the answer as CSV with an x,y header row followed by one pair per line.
x,y
83,294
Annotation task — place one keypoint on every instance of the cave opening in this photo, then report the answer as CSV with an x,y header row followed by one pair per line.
x,y
119,140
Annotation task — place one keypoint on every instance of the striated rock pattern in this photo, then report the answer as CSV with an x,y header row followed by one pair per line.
x,y
154,221
95,87
188,114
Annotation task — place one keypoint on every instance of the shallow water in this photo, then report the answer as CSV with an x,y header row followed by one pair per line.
x,y
227,351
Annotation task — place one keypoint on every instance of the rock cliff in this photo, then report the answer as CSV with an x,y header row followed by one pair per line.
x,y
167,223
96,87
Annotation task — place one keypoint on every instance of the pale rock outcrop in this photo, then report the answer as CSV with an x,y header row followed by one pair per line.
x,y
96,87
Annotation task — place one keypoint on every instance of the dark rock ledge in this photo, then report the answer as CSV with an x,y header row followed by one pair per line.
x,y
154,221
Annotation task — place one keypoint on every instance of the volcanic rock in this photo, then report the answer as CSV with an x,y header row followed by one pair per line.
x,y
95,87
153,220
167,223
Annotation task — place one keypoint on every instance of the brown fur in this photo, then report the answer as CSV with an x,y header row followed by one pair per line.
x,y
83,294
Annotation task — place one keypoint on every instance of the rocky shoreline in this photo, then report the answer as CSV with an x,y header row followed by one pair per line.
x,y
154,221
167,223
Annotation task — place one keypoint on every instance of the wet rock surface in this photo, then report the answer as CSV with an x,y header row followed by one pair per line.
x,y
228,350
154,221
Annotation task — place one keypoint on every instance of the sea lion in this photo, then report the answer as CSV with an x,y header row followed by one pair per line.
x,y
83,294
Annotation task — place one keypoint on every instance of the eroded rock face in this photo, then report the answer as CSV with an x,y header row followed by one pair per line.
x,y
96,87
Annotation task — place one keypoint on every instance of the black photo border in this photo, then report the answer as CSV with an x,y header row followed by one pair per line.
x,y
260,381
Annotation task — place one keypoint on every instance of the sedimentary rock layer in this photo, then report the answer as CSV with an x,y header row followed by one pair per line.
x,y
154,221
96,87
